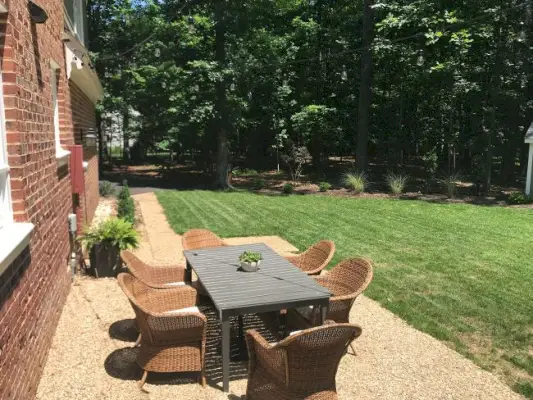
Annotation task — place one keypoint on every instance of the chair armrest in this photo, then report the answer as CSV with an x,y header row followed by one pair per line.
x,y
266,356
293,259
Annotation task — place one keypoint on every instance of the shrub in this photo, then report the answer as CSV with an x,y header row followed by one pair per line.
x,y
114,232
519,198
396,182
258,183
288,188
324,186
125,205
296,160
355,181
245,172
106,189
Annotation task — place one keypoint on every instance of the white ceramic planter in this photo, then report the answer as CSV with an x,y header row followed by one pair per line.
x,y
250,267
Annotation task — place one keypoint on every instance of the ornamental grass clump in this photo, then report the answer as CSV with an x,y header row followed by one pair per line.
x,y
355,181
396,182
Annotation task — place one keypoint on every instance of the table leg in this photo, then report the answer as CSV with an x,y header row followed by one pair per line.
x,y
225,353
241,327
188,273
323,314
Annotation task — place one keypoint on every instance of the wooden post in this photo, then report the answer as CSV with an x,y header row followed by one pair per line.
x,y
529,170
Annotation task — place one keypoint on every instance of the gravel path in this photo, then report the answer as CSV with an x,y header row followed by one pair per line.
x,y
92,358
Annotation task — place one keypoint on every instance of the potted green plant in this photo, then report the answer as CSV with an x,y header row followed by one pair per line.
x,y
104,243
250,261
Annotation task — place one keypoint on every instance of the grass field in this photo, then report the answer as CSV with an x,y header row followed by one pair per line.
x,y
461,273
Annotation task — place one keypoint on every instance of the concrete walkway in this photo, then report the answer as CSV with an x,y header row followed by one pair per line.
x,y
92,358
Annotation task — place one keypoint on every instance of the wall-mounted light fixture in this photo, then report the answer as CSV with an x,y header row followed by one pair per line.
x,y
38,15
89,139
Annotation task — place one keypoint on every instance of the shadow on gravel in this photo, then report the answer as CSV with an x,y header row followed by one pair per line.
x,y
124,330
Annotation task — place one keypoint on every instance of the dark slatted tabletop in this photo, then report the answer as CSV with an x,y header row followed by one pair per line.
x,y
277,282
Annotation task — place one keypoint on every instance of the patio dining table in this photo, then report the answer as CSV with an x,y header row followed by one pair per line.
x,y
277,285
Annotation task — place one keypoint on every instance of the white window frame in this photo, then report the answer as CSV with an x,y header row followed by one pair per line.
x,y
14,236
6,211
61,153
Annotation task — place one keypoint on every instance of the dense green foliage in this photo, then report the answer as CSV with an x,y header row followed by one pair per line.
x,y
519,198
113,231
324,186
288,188
458,272
447,84
250,257
125,204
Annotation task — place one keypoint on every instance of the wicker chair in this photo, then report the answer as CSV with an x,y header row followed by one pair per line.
x,y
302,366
200,238
161,277
171,340
315,258
346,281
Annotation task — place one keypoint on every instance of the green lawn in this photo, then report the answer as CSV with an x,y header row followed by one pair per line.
x,y
461,273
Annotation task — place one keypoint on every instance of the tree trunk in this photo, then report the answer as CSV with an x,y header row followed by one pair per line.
x,y
365,89
221,179
125,134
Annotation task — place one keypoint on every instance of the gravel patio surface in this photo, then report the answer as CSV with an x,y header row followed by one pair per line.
x,y
92,355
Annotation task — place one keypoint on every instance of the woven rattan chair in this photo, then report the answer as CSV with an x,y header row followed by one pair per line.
x,y
161,277
345,281
315,258
302,366
173,331
200,238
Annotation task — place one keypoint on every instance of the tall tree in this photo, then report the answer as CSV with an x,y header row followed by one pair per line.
x,y
365,87
222,126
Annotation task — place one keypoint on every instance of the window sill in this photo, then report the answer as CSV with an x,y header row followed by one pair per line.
x,y
62,157
14,237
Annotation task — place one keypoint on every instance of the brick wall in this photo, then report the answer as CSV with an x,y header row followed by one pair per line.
x,y
34,288
84,119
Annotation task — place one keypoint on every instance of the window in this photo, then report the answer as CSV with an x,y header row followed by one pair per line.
x,y
6,215
76,19
61,154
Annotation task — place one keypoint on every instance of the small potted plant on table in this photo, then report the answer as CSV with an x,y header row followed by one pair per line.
x,y
250,261
104,243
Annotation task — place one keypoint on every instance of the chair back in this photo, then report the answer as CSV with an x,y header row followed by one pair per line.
x,y
135,266
350,277
318,255
313,357
195,239
138,295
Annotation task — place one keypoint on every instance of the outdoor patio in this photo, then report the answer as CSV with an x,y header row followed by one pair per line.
x,y
92,355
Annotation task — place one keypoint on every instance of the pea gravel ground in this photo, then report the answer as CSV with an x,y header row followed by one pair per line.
x,y
92,357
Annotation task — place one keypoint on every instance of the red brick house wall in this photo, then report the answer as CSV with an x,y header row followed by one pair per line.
x,y
84,119
34,287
